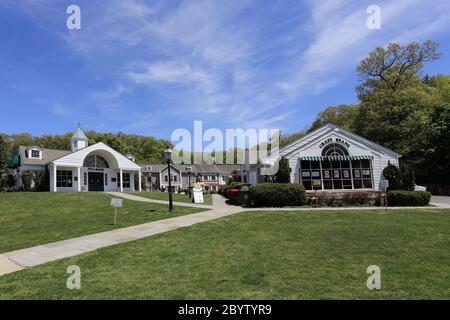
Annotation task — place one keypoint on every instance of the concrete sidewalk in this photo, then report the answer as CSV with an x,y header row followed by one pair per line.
x,y
30,257
144,199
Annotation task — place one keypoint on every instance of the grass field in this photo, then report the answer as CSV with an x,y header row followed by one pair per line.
x,y
29,219
262,255
176,196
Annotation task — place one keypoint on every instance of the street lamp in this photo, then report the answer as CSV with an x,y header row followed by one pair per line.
x,y
168,156
189,169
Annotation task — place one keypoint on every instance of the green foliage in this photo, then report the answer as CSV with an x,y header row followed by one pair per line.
x,y
393,175
231,185
277,195
341,199
284,172
341,115
402,198
35,181
407,174
7,182
396,66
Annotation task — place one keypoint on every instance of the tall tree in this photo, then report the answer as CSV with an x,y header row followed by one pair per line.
x,y
395,67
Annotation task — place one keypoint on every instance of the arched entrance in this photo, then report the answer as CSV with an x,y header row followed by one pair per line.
x,y
96,165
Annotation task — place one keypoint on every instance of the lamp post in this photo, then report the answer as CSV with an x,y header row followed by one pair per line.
x,y
189,169
168,156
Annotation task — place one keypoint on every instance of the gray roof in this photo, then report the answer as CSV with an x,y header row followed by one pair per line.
x,y
47,155
196,168
79,135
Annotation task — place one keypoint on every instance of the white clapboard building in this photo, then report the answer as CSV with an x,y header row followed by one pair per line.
x,y
329,158
85,168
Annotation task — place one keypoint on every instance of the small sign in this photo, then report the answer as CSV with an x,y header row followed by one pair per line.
x,y
198,195
116,203
384,184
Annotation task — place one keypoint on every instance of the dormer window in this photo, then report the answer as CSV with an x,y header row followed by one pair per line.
x,y
34,153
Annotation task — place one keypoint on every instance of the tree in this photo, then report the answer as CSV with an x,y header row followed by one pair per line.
x,y
342,115
284,172
393,175
396,66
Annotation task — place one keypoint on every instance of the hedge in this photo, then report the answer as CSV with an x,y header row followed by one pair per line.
x,y
400,198
277,195
233,185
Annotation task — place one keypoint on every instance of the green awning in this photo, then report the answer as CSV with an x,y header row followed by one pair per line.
x,y
335,158
15,161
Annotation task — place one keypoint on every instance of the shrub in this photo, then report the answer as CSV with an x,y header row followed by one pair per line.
x,y
284,172
401,198
233,185
393,175
277,195
408,179
342,199
35,180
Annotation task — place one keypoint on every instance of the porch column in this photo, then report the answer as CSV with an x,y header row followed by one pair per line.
x,y
121,180
140,181
79,179
54,178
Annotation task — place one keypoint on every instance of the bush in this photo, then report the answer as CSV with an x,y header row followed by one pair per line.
x,y
393,175
401,198
277,195
284,172
35,180
408,179
7,180
343,199
233,185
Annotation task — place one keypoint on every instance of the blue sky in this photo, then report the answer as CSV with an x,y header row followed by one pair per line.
x,y
150,67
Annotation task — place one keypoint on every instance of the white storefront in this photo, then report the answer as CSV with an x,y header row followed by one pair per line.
x,y
92,168
332,158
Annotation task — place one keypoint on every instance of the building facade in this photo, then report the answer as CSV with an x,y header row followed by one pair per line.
x,y
330,158
85,168
210,176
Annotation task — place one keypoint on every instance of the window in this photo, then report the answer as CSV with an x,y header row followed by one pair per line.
x,y
336,174
64,179
214,188
174,178
35,154
362,174
126,180
106,179
334,150
85,178
213,178
95,161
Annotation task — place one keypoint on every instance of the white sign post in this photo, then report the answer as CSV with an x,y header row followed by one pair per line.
x,y
198,194
116,203
384,186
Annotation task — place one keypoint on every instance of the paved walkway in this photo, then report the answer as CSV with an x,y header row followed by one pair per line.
x,y
144,199
441,201
30,257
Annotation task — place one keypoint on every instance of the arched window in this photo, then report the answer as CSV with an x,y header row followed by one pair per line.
x,y
334,150
95,161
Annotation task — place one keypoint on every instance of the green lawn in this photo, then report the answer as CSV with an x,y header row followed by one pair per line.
x,y
176,196
262,255
29,219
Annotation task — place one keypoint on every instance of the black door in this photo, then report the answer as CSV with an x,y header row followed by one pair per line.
x,y
96,181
